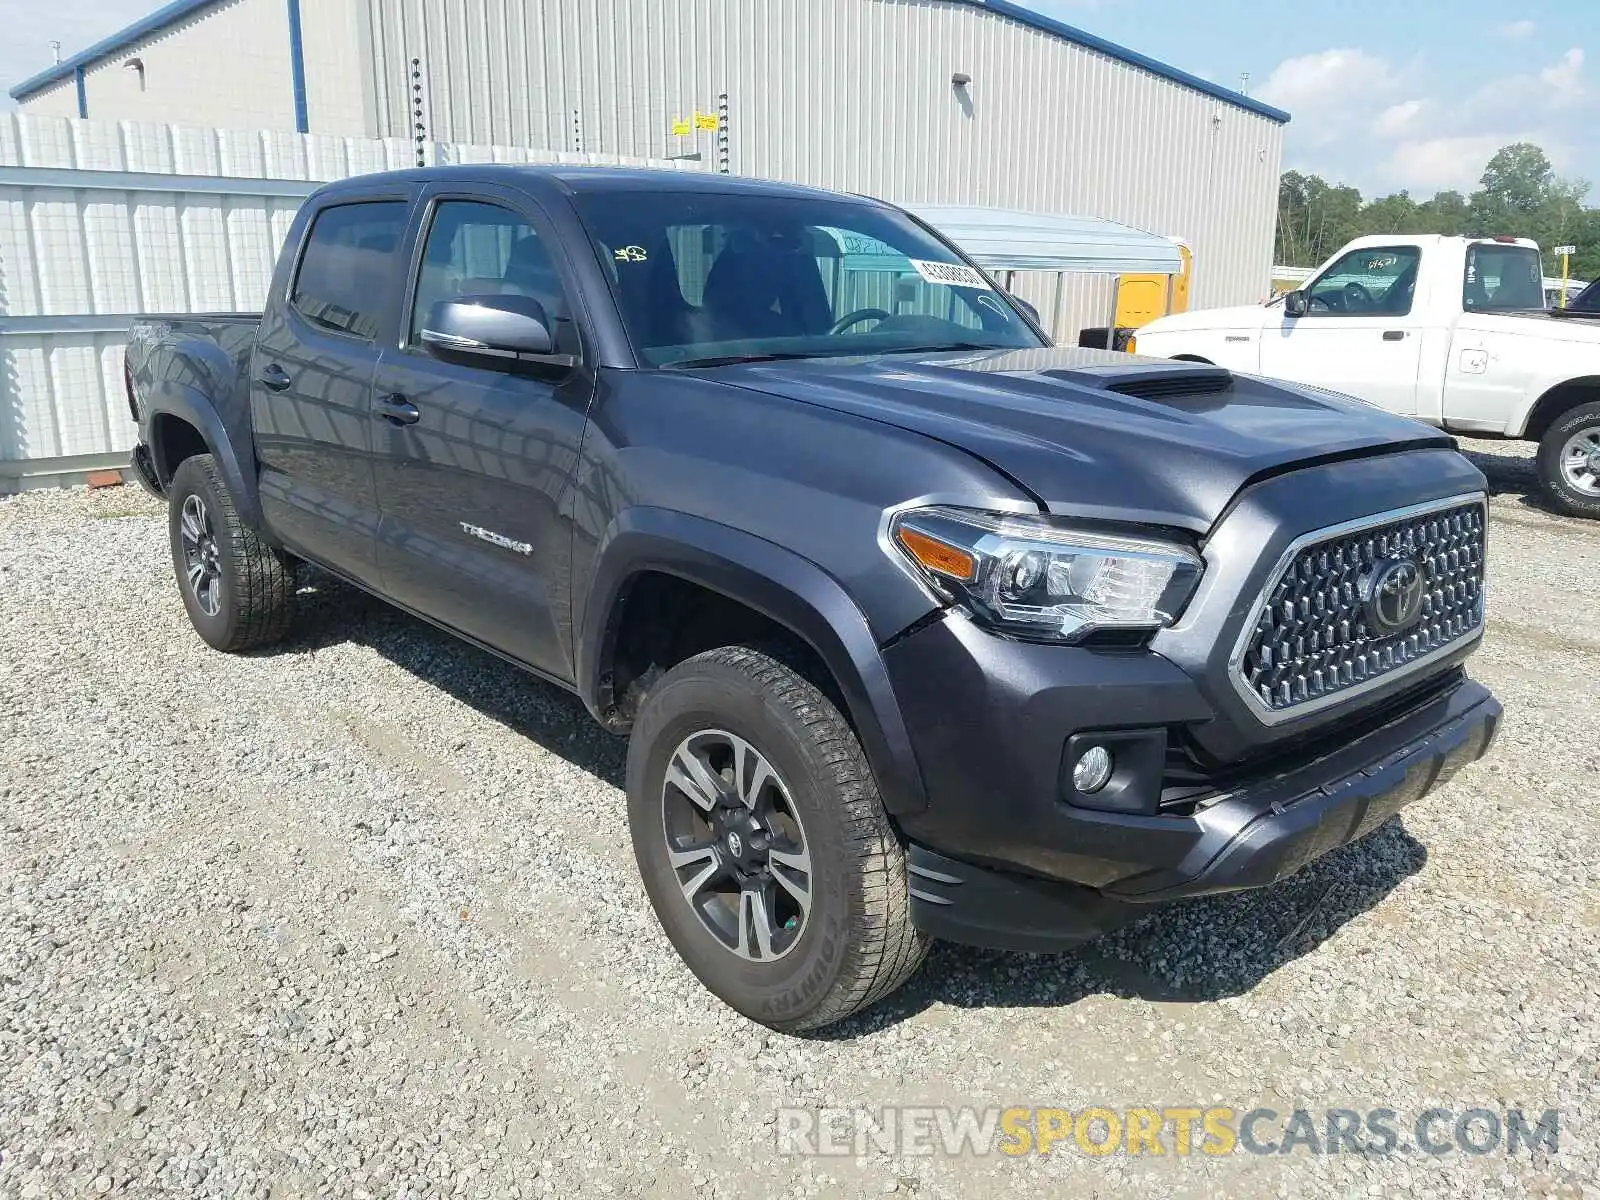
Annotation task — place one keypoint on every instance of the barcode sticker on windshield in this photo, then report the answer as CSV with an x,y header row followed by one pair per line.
x,y
950,274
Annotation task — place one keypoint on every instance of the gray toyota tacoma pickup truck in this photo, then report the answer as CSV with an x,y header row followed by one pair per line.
x,y
919,626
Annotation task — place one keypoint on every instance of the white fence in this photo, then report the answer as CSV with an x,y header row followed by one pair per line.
x,y
100,221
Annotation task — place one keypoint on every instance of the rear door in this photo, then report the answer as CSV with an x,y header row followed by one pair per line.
x,y
1362,334
311,381
473,477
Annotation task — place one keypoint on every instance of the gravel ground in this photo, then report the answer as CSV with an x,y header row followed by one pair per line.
x,y
359,917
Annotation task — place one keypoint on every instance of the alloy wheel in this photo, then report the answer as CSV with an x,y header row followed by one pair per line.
x,y
736,845
202,563
1580,461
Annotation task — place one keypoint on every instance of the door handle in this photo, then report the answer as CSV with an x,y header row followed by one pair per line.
x,y
1394,335
274,378
396,409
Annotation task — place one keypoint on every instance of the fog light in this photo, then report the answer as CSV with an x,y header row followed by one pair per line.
x,y
1092,770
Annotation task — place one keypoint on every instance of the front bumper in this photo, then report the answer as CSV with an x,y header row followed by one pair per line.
x,y
1023,869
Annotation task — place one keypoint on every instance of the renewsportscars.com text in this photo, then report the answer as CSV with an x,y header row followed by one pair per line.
x,y
1175,1130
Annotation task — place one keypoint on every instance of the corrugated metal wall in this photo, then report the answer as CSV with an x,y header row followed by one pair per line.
x,y
856,94
94,238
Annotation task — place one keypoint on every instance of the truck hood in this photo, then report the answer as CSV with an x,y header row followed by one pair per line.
x,y
1095,434
1245,316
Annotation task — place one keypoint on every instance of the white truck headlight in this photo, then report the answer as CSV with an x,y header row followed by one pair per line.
x,y
1044,580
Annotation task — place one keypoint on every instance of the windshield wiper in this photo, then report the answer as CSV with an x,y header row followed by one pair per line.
x,y
952,347
723,360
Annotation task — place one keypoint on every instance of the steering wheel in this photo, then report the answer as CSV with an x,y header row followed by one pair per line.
x,y
855,318
1356,297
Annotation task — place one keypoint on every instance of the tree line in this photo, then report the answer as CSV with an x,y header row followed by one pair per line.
x,y
1519,194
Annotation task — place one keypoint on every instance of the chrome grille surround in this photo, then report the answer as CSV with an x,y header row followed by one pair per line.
x,y
1307,643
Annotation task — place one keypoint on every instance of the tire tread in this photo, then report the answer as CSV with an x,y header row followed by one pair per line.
x,y
885,948
263,578
1548,461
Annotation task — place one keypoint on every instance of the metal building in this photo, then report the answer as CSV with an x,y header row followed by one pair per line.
x,y
979,102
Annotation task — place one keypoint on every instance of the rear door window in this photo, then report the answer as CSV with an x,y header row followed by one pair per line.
x,y
349,266
1503,278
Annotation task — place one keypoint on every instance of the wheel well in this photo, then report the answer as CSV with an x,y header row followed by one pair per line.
x,y
1194,358
659,620
172,439
1559,399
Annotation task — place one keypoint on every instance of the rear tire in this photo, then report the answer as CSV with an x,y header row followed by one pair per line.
x,y
1569,462
850,942
238,591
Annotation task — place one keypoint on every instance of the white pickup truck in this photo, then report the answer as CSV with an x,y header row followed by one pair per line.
x,y
1452,331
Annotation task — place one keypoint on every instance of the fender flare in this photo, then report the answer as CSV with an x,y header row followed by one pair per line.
x,y
1534,395
191,406
790,590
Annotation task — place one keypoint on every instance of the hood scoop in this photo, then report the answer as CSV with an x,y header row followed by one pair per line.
x,y
1173,385
1148,380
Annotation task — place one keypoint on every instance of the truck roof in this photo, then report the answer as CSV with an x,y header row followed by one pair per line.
x,y
575,178
1431,239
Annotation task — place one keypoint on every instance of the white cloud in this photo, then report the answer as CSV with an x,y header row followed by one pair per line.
x,y
1330,94
1564,79
1399,119
1315,82
1432,164
1382,126
1516,31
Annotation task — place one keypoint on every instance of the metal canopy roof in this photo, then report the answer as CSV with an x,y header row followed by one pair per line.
x,y
1001,239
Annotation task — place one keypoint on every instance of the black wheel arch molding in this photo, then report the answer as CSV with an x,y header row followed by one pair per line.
x,y
187,404
786,588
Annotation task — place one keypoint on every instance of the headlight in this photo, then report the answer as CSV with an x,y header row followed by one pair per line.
x,y
1037,578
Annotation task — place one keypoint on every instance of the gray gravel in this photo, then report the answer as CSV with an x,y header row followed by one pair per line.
x,y
359,918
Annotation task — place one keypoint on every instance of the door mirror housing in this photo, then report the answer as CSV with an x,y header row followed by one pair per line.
x,y
497,332
1032,311
1297,304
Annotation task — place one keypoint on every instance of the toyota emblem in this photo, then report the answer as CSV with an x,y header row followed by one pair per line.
x,y
1394,596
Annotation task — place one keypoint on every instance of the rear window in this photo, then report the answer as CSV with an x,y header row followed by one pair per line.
x,y
1503,278
348,268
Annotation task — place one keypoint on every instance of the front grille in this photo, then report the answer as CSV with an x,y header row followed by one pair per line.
x,y
1318,636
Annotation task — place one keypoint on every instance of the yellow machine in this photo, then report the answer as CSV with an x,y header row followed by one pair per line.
x,y
1143,298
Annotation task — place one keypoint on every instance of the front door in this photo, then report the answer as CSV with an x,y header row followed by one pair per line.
x,y
311,385
1359,335
474,464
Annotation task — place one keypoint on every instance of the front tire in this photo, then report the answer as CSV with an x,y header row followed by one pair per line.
x,y
1569,462
763,844
238,591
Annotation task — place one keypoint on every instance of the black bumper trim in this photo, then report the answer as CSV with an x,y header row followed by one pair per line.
x,y
976,906
1261,839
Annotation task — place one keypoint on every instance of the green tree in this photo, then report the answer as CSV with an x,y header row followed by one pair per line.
x,y
1398,213
1519,195
1517,182
1447,213
1314,218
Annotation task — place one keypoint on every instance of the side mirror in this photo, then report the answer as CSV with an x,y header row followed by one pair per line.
x,y
498,332
1025,307
1297,304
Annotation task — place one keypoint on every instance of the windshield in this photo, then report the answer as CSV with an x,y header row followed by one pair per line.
x,y
702,278
1503,278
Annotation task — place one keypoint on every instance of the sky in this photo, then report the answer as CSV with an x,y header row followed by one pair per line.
x,y
1385,94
